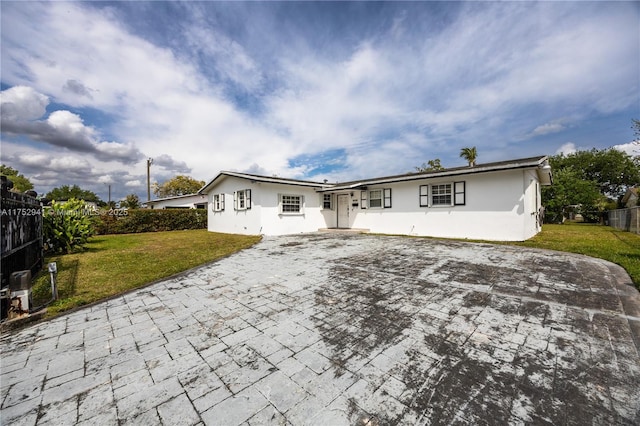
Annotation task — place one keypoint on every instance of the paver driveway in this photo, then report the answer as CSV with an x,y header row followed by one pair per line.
x,y
333,329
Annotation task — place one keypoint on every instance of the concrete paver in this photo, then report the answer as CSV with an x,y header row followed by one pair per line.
x,y
333,329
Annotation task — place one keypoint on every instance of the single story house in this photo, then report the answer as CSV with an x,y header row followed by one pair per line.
x,y
496,201
189,201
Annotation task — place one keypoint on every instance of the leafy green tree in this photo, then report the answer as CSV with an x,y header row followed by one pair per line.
x,y
20,183
570,189
469,154
430,166
179,185
67,226
67,192
612,170
131,201
592,180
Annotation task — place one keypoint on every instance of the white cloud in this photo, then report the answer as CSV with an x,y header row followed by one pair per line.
x,y
631,148
256,170
69,163
66,129
77,88
22,103
47,169
107,179
548,128
165,161
23,106
133,184
52,162
50,169
336,105
115,151
567,148
391,100
229,58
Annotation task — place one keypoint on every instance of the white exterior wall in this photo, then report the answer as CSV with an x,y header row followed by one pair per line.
x,y
264,216
497,207
182,202
229,220
275,223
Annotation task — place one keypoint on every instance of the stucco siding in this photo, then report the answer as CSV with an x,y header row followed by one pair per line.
x,y
494,209
264,216
276,223
178,202
230,220
499,202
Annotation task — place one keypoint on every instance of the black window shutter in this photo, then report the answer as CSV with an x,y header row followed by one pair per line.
x,y
459,195
387,198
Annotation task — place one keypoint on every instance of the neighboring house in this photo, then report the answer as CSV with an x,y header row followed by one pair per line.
x,y
189,201
630,198
497,201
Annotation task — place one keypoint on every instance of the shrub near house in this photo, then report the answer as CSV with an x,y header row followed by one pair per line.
x,y
120,221
67,226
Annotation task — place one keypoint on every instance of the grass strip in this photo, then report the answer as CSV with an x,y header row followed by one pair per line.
x,y
114,264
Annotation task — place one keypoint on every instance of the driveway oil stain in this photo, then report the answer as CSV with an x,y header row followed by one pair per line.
x,y
476,342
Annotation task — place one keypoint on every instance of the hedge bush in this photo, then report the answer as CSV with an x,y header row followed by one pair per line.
x,y
145,220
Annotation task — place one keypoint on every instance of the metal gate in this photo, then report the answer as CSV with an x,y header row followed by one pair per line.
x,y
22,242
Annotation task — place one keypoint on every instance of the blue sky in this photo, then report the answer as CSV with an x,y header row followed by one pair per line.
x,y
307,90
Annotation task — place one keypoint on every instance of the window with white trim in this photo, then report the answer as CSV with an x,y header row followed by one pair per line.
x,y
218,202
375,198
291,204
380,198
441,195
242,199
327,201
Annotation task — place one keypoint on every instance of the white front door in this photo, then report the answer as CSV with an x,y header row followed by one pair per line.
x,y
343,211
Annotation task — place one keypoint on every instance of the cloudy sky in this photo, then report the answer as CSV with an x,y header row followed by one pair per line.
x,y
334,91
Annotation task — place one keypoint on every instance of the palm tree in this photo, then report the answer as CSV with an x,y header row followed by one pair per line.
x,y
469,154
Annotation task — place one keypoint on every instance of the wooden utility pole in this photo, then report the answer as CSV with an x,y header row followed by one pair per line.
x,y
149,163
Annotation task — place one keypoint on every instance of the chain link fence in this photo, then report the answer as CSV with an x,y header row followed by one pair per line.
x,y
625,219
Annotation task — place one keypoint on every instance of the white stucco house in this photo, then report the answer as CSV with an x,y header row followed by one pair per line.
x,y
495,201
189,201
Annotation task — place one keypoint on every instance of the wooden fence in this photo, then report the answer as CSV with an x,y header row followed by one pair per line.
x,y
22,244
625,219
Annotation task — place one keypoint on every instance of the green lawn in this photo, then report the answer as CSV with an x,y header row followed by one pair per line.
x,y
113,264
598,241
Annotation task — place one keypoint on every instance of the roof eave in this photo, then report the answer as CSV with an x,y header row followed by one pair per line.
x,y
530,163
173,198
263,179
